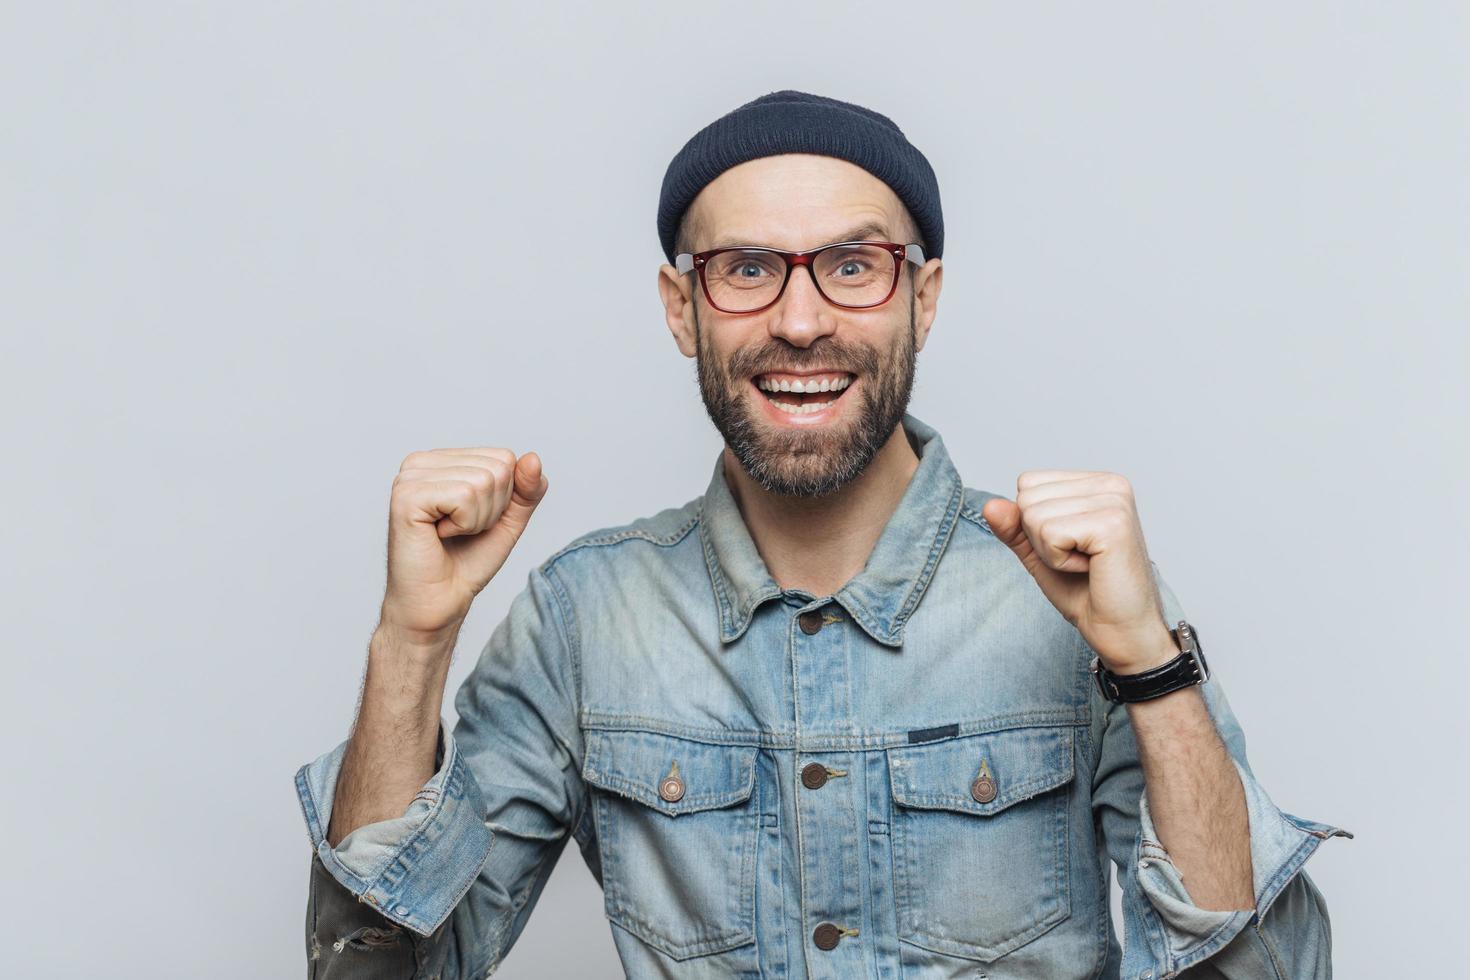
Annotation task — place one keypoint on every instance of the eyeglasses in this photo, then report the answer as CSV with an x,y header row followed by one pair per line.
x,y
749,279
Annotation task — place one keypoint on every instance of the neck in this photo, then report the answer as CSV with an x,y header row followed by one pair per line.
x,y
818,544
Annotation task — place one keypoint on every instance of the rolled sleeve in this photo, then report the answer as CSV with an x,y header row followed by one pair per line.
x,y
414,868
452,881
1287,935
1292,940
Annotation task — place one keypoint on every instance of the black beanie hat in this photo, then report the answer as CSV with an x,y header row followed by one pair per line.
x,y
799,122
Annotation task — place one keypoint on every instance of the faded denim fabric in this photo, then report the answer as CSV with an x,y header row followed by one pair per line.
x,y
663,647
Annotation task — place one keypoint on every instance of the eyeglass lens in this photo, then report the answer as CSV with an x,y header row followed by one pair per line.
x,y
741,280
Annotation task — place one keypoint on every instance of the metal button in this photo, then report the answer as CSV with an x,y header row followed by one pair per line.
x,y
814,775
810,621
671,787
983,789
826,936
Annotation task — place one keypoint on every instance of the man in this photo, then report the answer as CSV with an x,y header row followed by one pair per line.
x,y
840,716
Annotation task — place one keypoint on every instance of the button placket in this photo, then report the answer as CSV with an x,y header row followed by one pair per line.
x,y
824,809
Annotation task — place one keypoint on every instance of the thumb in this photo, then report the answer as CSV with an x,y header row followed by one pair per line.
x,y
528,488
1004,518
530,482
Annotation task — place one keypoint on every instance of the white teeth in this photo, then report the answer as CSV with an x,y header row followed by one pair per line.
x,y
805,409
804,387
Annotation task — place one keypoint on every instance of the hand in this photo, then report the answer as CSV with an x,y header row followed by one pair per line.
x,y
453,518
1078,534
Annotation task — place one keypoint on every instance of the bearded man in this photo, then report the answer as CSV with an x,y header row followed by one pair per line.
x,y
839,716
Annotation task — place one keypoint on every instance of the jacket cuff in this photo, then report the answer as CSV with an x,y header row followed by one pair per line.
x,y
1186,934
413,869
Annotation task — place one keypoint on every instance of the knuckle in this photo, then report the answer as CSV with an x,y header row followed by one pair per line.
x,y
501,470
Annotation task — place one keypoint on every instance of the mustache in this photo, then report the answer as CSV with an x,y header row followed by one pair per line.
x,y
825,353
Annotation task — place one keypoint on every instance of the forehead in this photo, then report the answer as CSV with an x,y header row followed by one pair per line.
x,y
794,201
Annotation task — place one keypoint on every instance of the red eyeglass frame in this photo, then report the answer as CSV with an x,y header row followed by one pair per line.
x,y
686,262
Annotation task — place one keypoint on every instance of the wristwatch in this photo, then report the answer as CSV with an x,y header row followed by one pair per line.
x,y
1185,670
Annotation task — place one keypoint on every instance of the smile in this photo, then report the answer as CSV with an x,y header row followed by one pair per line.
x,y
803,394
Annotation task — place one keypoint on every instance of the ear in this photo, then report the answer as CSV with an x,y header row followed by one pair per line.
x,y
927,281
677,294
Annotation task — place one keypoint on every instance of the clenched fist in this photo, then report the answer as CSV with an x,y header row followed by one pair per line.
x,y
454,517
1078,534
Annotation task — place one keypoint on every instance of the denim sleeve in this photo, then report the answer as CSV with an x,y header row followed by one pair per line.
x,y
445,889
1286,936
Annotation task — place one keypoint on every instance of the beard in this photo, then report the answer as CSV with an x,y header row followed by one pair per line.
x,y
794,462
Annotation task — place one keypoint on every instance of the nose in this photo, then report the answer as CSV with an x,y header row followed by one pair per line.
x,y
802,315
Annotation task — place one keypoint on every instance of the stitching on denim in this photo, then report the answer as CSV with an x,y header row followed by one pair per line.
x,y
1066,773
1278,882
914,934
1265,942
401,854
866,618
572,638
936,550
640,793
716,574
309,809
628,919
621,914
973,515
626,534
815,743
453,780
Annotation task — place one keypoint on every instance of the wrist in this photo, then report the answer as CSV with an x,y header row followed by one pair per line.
x,y
1185,668
1146,655
415,643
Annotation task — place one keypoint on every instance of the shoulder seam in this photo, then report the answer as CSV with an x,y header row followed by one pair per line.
x,y
626,534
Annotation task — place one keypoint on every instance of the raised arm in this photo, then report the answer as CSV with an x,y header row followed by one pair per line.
x,y
396,816
454,516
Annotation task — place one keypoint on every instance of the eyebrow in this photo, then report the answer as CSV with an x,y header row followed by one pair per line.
x,y
860,233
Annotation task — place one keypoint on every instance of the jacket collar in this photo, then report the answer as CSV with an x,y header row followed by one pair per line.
x,y
885,593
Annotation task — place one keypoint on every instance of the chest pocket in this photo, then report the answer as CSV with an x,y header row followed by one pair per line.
x,y
677,830
980,839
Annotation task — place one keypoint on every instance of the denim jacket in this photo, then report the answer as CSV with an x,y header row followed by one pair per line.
x,y
770,783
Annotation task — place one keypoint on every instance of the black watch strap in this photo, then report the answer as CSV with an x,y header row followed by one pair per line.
x,y
1185,670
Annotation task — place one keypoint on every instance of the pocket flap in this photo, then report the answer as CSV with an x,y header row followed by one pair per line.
x,y
634,764
1020,762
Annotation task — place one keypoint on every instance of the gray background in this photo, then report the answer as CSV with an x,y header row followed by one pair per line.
x,y
253,255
